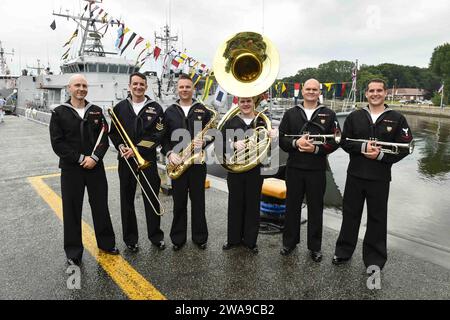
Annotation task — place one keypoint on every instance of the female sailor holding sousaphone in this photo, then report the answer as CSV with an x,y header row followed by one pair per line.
x,y
245,66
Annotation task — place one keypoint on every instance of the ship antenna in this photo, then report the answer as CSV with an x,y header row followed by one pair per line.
x,y
91,38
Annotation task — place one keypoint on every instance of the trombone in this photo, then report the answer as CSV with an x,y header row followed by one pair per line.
x,y
319,139
388,147
138,159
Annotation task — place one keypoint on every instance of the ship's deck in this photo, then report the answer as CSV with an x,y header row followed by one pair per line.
x,y
33,264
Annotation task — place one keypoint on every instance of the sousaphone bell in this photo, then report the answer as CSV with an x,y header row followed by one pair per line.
x,y
246,65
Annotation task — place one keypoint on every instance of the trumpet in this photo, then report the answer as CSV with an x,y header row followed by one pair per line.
x,y
141,163
388,147
319,139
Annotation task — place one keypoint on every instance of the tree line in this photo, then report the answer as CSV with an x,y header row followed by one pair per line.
x,y
398,76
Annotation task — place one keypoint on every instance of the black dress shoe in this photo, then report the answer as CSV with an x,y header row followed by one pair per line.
x,y
160,245
253,249
316,256
133,247
202,246
338,260
177,247
74,262
114,251
228,246
285,251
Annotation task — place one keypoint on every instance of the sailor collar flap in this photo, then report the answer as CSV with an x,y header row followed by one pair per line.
x,y
74,110
381,116
196,108
146,106
318,108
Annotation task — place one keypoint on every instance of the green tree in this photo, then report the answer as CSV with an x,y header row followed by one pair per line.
x,y
440,60
440,65
436,99
364,77
335,71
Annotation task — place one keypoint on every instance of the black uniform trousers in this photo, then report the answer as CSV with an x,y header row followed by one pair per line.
x,y
244,196
300,183
191,182
374,245
128,185
73,183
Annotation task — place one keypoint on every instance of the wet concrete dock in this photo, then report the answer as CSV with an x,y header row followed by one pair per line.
x,y
33,265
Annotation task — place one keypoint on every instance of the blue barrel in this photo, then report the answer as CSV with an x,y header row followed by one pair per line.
x,y
273,209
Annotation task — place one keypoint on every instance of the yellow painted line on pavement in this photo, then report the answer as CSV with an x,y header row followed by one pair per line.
x,y
133,284
55,175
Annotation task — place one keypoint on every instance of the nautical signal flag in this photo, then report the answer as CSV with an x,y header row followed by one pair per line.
x,y
220,97
156,53
328,85
195,78
147,47
129,42
65,55
235,102
340,89
125,31
53,25
119,35
175,63
139,40
75,34
344,89
296,89
208,84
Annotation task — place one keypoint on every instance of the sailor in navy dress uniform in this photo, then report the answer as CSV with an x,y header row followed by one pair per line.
x,y
143,120
369,175
75,128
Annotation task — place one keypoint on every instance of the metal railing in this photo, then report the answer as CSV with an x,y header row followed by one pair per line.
x,y
34,115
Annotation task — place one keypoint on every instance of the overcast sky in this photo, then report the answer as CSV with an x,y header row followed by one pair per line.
x,y
306,33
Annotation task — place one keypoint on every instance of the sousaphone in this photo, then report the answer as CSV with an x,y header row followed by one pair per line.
x,y
246,65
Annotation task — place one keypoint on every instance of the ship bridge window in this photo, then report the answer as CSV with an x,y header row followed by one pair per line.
x,y
103,68
123,69
113,68
72,68
132,70
91,67
81,67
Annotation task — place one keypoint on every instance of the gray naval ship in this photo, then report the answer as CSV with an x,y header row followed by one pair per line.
x,y
33,264
8,81
106,73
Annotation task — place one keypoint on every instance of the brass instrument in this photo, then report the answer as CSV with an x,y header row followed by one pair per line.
x,y
388,147
188,155
246,65
319,139
140,161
